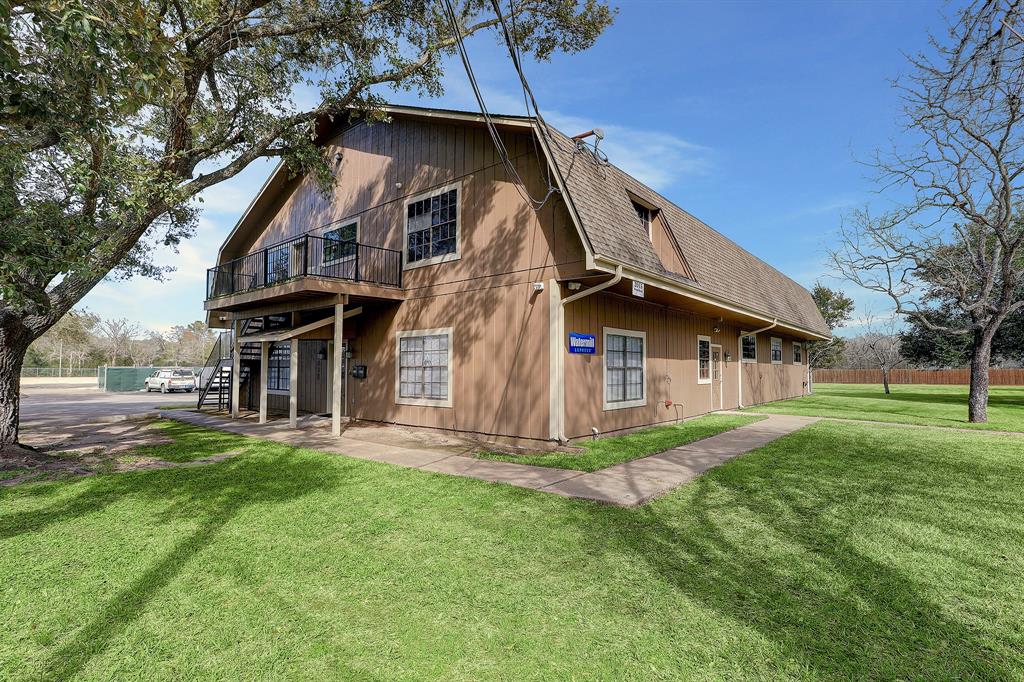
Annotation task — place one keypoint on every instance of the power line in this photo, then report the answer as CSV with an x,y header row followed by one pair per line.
x,y
499,144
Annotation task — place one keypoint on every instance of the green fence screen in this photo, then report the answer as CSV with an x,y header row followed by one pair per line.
x,y
119,379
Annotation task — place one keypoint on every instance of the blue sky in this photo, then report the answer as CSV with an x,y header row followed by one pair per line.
x,y
750,115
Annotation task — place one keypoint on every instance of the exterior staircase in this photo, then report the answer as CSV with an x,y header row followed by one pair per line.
x,y
215,377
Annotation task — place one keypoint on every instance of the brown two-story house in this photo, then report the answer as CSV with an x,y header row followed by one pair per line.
x,y
427,288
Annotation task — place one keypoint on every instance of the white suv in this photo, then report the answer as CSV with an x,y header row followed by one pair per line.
x,y
165,380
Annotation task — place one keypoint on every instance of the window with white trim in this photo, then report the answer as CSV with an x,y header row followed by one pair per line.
x,y
424,363
624,364
798,353
776,350
279,366
340,243
432,227
703,359
748,351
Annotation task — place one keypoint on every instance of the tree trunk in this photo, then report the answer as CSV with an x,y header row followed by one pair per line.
x,y
981,356
14,343
885,379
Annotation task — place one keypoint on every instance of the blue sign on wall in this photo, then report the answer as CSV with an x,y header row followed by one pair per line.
x,y
582,343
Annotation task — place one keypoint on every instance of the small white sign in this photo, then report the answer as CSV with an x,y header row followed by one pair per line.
x,y
638,289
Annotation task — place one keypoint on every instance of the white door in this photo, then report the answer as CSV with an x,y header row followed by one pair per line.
x,y
716,377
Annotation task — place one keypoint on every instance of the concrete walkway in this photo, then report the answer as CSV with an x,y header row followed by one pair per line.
x,y
627,484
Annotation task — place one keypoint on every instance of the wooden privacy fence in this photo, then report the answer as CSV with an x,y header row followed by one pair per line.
x,y
996,377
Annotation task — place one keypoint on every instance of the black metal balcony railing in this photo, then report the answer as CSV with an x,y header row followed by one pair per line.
x,y
306,256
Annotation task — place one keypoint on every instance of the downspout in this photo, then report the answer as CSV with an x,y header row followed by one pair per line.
x,y
558,334
739,347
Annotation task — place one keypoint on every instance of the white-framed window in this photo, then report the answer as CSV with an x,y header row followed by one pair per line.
x,y
279,367
703,359
340,242
432,225
798,353
748,348
423,367
643,214
776,350
625,363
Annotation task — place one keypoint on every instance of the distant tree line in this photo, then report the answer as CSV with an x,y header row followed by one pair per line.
x,y
84,339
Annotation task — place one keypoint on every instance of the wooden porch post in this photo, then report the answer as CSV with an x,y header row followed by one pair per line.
x,y
264,370
339,360
236,369
293,386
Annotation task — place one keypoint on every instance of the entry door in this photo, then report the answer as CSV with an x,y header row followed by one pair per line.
x,y
716,377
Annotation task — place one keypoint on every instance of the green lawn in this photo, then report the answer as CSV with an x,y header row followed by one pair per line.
x,y
907,404
604,452
841,551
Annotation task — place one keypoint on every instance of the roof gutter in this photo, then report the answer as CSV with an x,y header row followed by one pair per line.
x,y
556,422
739,348
605,263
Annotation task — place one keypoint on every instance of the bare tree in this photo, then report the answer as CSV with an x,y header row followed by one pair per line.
x,y
116,336
878,346
959,240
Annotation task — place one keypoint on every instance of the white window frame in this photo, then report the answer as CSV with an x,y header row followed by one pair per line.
x,y
798,346
710,370
744,359
771,350
623,404
445,258
427,402
337,225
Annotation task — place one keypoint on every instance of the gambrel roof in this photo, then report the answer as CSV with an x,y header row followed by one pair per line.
x,y
601,197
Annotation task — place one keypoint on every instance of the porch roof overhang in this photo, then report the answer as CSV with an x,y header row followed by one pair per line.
x,y
284,334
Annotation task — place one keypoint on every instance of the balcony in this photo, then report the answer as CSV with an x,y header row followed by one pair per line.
x,y
306,256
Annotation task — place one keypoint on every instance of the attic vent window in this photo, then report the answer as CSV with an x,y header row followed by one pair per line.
x,y
644,215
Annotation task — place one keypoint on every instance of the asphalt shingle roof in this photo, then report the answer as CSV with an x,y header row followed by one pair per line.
x,y
720,267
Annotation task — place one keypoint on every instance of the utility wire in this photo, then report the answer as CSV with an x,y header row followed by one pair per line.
x,y
499,144
544,132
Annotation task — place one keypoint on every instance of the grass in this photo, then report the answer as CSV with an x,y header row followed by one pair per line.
x,y
841,551
605,452
907,404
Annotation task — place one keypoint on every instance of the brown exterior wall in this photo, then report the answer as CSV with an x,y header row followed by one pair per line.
x,y
764,382
671,370
500,324
499,361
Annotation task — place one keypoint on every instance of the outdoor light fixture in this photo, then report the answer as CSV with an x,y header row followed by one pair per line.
x,y
321,354
574,286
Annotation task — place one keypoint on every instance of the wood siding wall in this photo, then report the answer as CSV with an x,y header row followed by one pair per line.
x,y
671,371
996,377
386,164
499,361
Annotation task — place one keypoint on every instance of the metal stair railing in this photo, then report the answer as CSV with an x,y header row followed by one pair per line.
x,y
220,353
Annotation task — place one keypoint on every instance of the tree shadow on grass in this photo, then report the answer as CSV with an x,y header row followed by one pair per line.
x,y
769,542
211,496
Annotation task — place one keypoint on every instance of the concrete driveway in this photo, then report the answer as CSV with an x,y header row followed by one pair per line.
x,y
52,416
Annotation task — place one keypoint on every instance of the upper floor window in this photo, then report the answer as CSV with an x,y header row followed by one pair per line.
x,y
798,353
432,227
644,215
624,364
278,265
776,350
749,350
340,242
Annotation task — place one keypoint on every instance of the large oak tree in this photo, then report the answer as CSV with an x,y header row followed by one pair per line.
x,y
116,114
